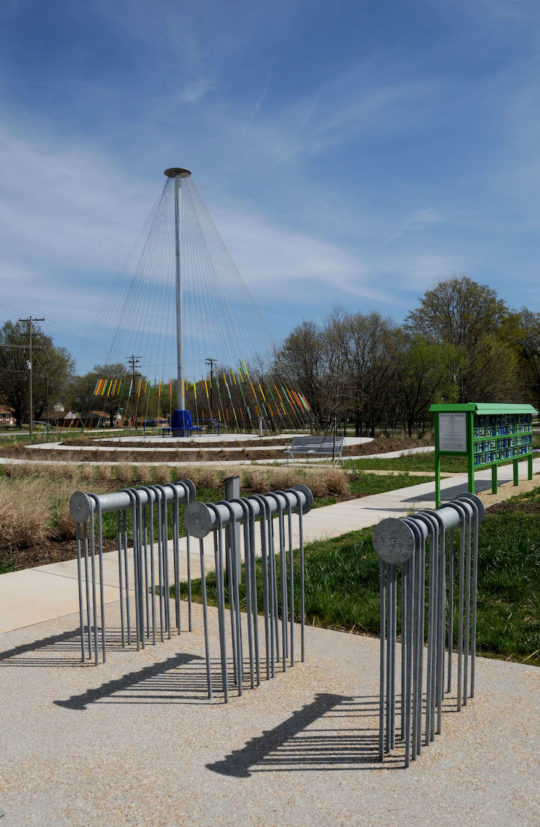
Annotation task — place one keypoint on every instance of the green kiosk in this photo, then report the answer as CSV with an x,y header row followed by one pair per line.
x,y
487,433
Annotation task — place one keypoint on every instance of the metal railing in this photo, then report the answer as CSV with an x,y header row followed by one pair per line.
x,y
254,515
434,582
143,516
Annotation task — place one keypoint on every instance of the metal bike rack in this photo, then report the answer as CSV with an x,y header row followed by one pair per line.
x,y
255,516
419,551
143,563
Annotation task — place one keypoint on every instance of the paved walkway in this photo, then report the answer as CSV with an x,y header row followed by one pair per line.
x,y
135,741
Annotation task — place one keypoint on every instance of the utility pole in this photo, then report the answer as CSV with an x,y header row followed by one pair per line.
x,y
134,362
29,321
211,362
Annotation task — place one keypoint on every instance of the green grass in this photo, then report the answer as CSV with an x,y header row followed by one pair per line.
x,y
412,462
342,584
364,484
509,587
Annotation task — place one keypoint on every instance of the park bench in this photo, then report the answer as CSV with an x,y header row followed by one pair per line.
x,y
317,445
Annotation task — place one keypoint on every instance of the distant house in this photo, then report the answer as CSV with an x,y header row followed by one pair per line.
x,y
6,416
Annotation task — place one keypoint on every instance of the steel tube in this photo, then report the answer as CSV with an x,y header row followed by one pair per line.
x,y
80,504
382,659
261,502
200,519
79,579
205,622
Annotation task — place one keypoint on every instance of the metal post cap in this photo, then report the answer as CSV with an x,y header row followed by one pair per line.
x,y
393,540
198,519
174,172
80,506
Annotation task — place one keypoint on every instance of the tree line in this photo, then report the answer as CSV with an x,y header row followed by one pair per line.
x,y
461,343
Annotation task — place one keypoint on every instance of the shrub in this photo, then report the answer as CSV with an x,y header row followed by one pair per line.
x,y
162,474
203,477
286,477
123,473
256,480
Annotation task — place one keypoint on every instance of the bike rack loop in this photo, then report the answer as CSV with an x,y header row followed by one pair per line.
x,y
401,547
136,567
201,519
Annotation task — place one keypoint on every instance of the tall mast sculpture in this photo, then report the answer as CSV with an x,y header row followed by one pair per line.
x,y
182,421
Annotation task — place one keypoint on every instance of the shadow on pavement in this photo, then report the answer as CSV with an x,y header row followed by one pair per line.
x,y
48,651
163,681
334,732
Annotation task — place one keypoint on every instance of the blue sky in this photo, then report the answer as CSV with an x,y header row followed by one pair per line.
x,y
350,153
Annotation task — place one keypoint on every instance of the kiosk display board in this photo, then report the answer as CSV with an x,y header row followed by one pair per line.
x,y
453,432
488,434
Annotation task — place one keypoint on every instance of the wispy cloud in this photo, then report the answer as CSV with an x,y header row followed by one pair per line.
x,y
65,207
418,220
262,97
336,115
195,90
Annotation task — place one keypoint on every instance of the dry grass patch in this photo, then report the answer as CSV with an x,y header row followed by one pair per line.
x,y
24,513
162,474
142,475
326,480
102,472
283,478
256,480
209,477
123,473
336,480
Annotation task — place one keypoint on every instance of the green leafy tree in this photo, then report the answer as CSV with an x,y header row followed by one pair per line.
x,y
525,337
492,374
422,378
461,313
52,368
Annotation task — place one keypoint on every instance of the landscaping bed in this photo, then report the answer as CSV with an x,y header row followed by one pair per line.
x,y
256,449
36,527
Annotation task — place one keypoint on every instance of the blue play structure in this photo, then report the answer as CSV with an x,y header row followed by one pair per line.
x,y
182,424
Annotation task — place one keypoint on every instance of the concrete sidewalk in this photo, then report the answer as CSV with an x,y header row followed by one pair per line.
x,y
136,741
46,592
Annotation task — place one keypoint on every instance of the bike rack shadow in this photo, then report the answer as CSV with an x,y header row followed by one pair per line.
x,y
345,739
64,649
161,682
53,648
180,678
